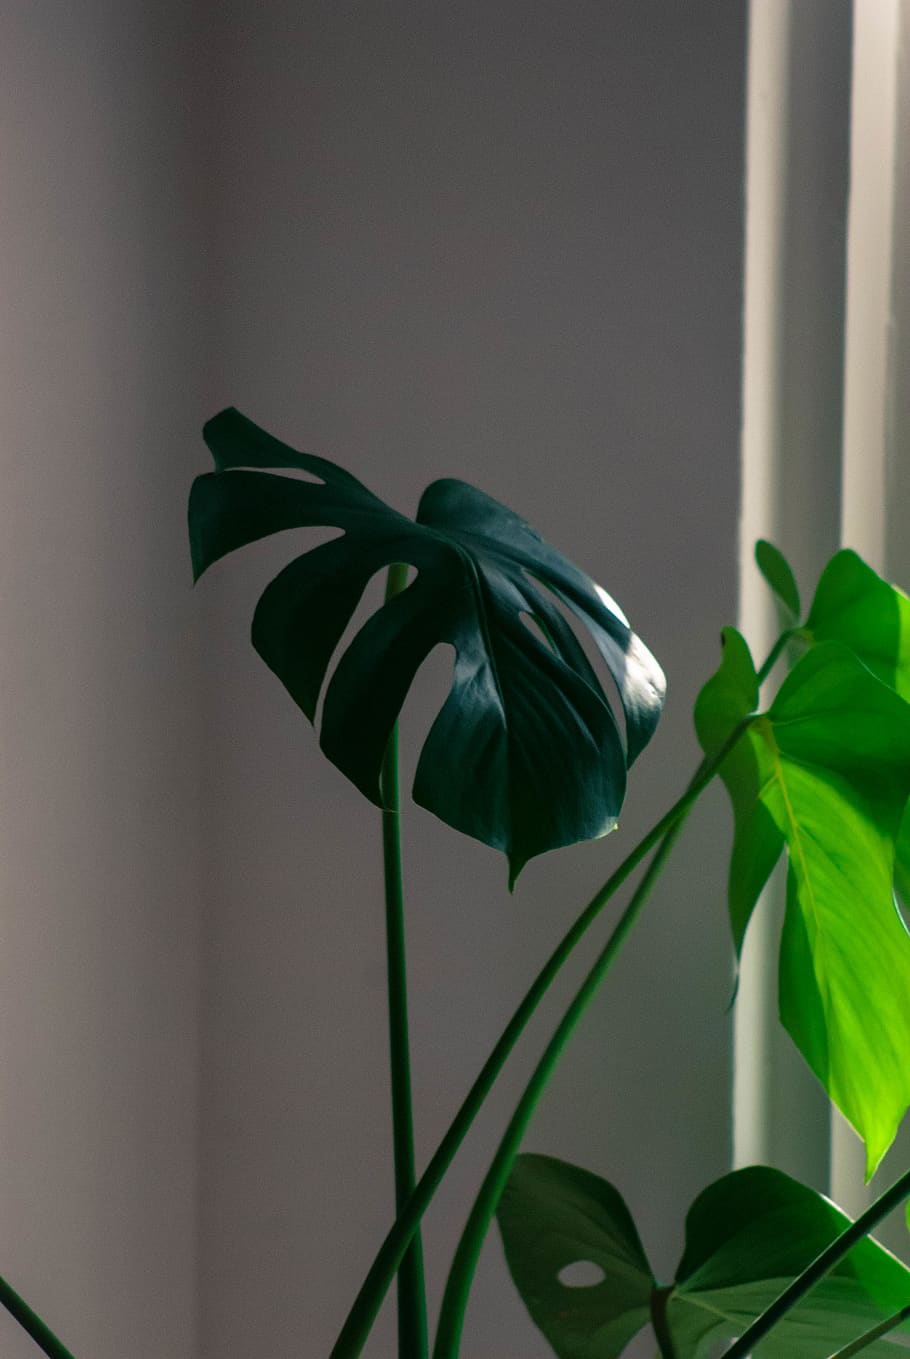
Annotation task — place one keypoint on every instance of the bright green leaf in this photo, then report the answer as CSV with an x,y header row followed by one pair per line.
x,y
728,697
856,606
525,754
902,860
555,1217
776,570
827,772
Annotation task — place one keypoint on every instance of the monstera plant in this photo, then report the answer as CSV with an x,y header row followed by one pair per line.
x,y
526,754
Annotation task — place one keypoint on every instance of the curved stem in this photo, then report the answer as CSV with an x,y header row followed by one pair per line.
x,y
363,1313
660,1297
356,1329
774,654
412,1307
820,1266
43,1337
467,1253
454,1302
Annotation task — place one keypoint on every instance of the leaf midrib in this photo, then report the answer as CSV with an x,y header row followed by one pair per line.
x,y
821,942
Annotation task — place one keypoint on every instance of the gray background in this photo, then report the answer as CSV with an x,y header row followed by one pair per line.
x,y
496,241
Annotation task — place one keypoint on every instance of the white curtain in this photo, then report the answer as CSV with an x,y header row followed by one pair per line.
x,y
825,420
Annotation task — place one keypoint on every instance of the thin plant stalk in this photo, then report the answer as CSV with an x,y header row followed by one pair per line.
x,y
862,1342
356,1329
461,1275
412,1307
358,1324
660,1298
819,1267
42,1335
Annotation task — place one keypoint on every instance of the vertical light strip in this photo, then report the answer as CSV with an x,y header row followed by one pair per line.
x,y
868,365
869,271
797,145
768,81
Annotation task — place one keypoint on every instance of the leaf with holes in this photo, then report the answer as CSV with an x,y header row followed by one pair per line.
x,y
554,1216
526,754
747,1236
827,772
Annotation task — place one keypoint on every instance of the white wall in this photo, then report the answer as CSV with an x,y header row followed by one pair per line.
x,y
491,240
503,242
99,702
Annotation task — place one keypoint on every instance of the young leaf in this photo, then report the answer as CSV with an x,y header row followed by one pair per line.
x,y
554,1216
856,606
525,754
730,695
776,570
827,772
747,1235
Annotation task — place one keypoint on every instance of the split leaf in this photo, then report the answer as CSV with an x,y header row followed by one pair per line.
x,y
526,754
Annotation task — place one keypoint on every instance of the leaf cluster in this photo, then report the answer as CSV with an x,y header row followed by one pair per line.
x,y
528,753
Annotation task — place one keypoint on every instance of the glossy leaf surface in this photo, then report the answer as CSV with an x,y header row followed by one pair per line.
x,y
854,605
747,1236
526,754
827,772
902,861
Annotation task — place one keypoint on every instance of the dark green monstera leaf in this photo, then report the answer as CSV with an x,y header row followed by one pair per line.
x,y
747,1236
826,773
526,754
555,1217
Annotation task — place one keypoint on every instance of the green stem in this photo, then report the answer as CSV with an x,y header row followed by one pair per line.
x,y
43,1337
660,1297
868,1337
461,1275
458,1285
356,1329
820,1266
774,654
412,1307
862,1342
